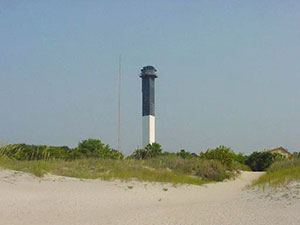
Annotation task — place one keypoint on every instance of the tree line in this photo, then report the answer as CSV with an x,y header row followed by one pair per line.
x,y
94,148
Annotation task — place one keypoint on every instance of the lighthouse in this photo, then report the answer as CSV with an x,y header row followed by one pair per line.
x,y
148,75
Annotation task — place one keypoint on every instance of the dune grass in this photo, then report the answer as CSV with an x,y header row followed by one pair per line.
x,y
280,174
92,159
124,170
38,168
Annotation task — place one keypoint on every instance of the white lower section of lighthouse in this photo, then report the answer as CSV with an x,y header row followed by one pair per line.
x,y
148,130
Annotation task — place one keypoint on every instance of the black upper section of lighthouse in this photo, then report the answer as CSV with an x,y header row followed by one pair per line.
x,y
148,74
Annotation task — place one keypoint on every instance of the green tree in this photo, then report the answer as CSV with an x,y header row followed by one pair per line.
x,y
94,148
150,151
241,158
260,161
222,153
115,154
139,154
153,149
184,154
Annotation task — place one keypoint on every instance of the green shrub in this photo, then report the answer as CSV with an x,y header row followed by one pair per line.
x,y
203,168
260,161
241,158
34,152
186,155
212,170
154,149
115,154
222,153
150,151
239,166
93,148
90,148
139,154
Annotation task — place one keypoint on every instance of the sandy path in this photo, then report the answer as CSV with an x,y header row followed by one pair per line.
x,y
26,200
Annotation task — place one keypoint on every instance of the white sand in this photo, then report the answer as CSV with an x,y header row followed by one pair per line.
x,y
26,200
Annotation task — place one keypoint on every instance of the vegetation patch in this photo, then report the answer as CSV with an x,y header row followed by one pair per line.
x,y
90,148
281,173
92,159
125,170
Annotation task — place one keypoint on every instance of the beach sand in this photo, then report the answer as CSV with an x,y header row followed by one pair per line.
x,y
28,200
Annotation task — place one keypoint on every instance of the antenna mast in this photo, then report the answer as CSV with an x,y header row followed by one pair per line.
x,y
119,103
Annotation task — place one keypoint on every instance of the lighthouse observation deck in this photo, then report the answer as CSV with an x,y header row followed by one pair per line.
x,y
148,71
148,75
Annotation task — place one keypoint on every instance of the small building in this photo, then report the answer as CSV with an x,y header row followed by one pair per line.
x,y
281,151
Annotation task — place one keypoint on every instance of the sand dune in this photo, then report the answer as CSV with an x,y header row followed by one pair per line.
x,y
26,200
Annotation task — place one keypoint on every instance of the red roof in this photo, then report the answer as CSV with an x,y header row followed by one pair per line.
x,y
280,149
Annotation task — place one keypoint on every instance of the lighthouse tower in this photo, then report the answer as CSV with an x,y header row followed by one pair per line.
x,y
148,75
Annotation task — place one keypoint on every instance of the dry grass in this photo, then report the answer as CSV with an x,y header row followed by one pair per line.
x,y
101,169
281,174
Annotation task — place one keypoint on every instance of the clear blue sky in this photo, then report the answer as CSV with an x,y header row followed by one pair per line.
x,y
229,72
